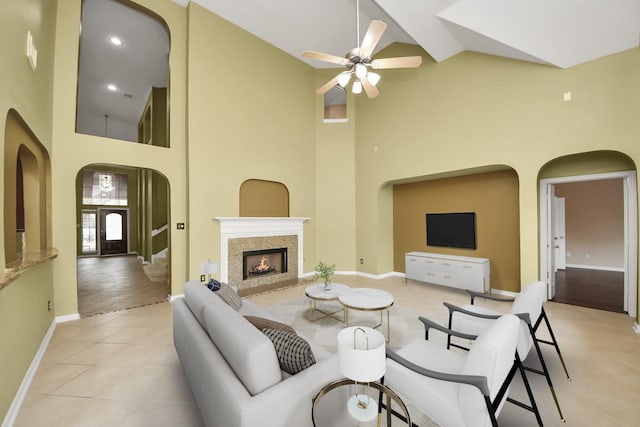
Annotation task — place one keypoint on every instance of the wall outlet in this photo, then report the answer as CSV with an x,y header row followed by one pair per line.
x,y
49,305
180,226
361,260
202,279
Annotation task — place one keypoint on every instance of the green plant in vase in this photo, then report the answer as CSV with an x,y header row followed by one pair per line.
x,y
324,272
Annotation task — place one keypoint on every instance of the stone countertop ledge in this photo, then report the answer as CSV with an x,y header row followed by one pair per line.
x,y
14,269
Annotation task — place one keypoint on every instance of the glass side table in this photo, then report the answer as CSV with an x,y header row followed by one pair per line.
x,y
390,395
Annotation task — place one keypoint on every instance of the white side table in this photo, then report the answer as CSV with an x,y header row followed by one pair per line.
x,y
318,292
367,299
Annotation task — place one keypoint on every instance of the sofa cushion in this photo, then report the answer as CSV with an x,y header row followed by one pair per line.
x,y
262,323
248,351
294,352
197,296
230,296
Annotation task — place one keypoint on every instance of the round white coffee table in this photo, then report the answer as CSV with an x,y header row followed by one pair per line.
x,y
318,292
367,299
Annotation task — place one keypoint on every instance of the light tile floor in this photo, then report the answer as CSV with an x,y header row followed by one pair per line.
x,y
121,369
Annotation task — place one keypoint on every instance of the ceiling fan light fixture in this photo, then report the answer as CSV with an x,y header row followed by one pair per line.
x,y
357,87
373,78
343,78
360,70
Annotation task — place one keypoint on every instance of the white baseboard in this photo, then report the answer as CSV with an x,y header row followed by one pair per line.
x,y
67,318
12,414
636,328
361,274
595,267
172,298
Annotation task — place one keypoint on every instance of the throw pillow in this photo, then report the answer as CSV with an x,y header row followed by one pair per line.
x,y
262,323
294,352
230,296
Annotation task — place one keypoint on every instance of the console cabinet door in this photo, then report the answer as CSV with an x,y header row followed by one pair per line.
x,y
469,276
414,267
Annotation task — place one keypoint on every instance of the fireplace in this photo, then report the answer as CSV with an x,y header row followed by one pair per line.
x,y
239,235
263,262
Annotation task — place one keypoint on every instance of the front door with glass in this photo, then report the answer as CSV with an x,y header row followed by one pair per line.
x,y
113,231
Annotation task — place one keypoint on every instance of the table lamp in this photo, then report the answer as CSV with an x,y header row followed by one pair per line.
x,y
362,358
209,268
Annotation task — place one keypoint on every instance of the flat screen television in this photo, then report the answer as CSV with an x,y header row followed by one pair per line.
x,y
452,230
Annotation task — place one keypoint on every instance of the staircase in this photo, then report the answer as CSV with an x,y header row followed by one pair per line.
x,y
158,270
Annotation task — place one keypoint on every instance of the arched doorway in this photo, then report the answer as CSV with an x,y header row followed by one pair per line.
x,y
590,246
123,238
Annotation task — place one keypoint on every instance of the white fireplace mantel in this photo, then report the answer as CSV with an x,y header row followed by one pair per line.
x,y
237,227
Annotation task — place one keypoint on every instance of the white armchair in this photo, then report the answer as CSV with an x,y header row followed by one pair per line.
x,y
528,306
456,389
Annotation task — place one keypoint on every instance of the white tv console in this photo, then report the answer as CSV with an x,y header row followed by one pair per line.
x,y
448,270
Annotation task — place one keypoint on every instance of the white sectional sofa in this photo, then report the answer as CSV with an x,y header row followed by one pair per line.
x,y
234,371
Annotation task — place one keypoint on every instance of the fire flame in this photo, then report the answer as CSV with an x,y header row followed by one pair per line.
x,y
263,264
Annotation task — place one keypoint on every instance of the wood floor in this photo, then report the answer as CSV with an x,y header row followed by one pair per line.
x,y
115,283
599,289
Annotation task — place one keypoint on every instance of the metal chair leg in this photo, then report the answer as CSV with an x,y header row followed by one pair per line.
x,y
544,372
553,342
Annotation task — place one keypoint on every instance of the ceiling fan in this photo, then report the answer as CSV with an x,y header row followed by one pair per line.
x,y
358,61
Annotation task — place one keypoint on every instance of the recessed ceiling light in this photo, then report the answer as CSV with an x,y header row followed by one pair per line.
x,y
115,41
112,87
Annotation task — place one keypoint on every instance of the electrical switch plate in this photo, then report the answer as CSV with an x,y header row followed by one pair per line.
x,y
180,226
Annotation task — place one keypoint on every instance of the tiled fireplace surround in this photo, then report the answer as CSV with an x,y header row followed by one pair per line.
x,y
240,234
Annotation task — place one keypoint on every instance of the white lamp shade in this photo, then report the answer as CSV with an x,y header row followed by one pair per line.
x,y
359,363
360,70
343,78
209,267
357,87
373,78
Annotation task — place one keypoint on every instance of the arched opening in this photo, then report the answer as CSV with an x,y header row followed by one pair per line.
x,y
27,177
588,230
123,73
123,239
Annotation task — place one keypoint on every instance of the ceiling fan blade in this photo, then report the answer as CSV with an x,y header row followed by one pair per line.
x,y
328,86
399,62
325,57
371,38
369,88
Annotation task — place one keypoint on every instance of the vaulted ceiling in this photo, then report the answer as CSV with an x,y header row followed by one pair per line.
x,y
560,33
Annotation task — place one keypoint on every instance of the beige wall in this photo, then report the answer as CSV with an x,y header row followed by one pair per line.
x,y
250,116
24,317
493,196
239,95
594,218
474,111
81,150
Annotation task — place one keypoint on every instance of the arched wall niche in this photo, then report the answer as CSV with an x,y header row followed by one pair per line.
x,y
27,190
260,198
491,192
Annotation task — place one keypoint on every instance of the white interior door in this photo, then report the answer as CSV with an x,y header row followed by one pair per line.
x,y
550,242
559,240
